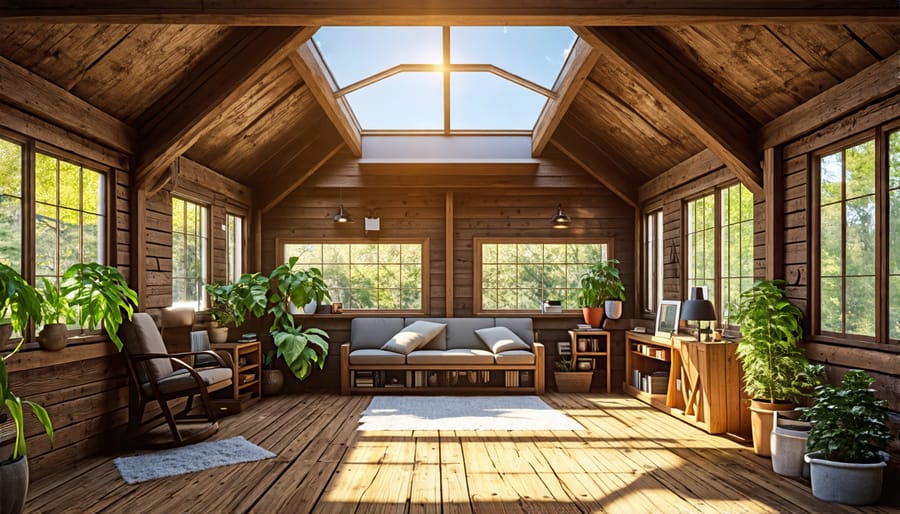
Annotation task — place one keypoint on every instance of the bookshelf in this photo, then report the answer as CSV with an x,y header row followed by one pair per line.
x,y
374,379
588,347
247,384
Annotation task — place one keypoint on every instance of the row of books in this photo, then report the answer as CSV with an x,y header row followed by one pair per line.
x,y
590,344
519,379
652,351
425,378
653,383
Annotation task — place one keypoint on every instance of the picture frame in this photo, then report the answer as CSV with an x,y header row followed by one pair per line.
x,y
667,317
564,348
337,308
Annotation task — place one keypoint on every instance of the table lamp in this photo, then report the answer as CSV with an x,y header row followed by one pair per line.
x,y
697,308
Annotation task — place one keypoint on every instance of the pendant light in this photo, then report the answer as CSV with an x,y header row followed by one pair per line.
x,y
561,220
341,216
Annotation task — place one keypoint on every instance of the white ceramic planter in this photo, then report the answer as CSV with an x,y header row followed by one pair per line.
x,y
788,445
613,309
846,482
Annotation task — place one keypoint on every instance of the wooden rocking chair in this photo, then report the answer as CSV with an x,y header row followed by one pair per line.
x,y
157,375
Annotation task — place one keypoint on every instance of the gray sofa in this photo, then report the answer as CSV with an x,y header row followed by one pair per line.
x,y
457,348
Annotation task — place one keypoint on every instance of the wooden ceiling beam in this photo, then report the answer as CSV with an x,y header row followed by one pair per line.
x,y
32,94
690,169
453,12
576,70
197,106
710,115
599,162
312,70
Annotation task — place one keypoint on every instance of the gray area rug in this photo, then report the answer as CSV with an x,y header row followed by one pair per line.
x,y
188,459
463,413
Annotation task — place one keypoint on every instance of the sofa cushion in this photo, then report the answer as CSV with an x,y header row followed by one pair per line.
x,y
456,356
373,332
522,327
414,336
369,356
501,339
515,358
439,342
461,333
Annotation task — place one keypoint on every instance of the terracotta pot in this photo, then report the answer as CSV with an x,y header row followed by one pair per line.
x,y
592,315
5,333
761,423
13,486
272,381
53,337
573,381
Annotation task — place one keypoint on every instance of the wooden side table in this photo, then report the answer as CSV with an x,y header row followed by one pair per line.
x,y
596,345
246,386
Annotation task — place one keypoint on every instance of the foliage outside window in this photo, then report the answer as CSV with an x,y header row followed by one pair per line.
x,y
367,276
11,204
190,243
234,247
736,269
894,235
521,275
701,244
653,260
847,238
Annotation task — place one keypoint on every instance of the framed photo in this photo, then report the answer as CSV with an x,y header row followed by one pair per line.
x,y
667,316
337,308
564,348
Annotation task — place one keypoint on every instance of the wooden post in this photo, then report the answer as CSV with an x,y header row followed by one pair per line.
x,y
139,240
448,244
773,185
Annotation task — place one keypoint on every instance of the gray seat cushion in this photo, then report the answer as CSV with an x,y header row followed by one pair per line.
x,y
370,356
373,332
182,380
455,356
413,336
501,339
515,358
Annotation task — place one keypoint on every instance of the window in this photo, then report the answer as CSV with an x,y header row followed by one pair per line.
x,y
847,239
11,204
234,247
190,242
368,276
521,274
70,216
720,230
653,260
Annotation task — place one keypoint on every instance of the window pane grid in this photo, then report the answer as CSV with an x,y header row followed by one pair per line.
x,y
367,276
234,247
11,204
653,264
701,251
736,271
894,235
190,242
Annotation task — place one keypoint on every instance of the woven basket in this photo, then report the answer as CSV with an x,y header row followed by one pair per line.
x,y
573,381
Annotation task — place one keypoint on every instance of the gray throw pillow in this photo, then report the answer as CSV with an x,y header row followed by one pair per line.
x,y
501,339
414,336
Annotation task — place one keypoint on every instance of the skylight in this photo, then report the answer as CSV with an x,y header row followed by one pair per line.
x,y
445,79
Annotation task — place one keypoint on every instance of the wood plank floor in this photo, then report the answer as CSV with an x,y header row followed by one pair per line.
x,y
630,459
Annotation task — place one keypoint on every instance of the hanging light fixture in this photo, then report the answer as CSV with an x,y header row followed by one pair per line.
x,y
561,220
341,216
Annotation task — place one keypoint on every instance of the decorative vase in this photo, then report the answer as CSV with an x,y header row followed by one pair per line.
x,y
592,315
218,335
788,444
53,337
310,308
272,381
13,486
761,423
613,309
573,381
846,482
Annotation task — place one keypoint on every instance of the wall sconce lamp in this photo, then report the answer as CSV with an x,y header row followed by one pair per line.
x,y
561,220
342,216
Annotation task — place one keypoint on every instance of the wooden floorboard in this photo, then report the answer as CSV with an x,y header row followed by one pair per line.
x,y
630,458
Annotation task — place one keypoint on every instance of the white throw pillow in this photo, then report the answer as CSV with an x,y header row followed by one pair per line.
x,y
414,336
501,339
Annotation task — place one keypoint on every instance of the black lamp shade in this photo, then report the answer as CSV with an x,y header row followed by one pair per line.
x,y
698,308
561,220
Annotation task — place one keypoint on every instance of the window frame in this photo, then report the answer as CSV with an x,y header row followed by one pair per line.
x,y
206,275
426,267
242,239
649,311
477,269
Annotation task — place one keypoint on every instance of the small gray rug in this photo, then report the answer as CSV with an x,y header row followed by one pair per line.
x,y
463,413
188,459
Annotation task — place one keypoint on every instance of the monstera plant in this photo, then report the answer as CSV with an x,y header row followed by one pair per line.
x,y
100,295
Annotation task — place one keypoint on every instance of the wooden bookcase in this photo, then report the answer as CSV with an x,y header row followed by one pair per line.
x,y
594,346
246,386
704,385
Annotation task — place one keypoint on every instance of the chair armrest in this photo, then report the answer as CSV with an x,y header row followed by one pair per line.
x,y
177,357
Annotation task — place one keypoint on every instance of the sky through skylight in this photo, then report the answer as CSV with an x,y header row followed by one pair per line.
x,y
413,99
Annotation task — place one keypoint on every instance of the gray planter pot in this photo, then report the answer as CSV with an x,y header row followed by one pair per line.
x,y
13,486
788,444
846,482
53,337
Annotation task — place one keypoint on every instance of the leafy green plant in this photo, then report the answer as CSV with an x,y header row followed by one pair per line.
x,y
301,348
849,422
21,302
55,307
775,366
268,359
231,303
15,407
600,283
101,295
563,364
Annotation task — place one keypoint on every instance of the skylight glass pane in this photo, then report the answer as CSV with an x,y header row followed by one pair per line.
x,y
484,101
533,53
354,53
406,101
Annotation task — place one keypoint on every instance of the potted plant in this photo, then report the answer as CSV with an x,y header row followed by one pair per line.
x,y
848,440
20,303
272,378
775,367
789,433
232,303
300,348
599,285
14,470
56,312
569,380
100,295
